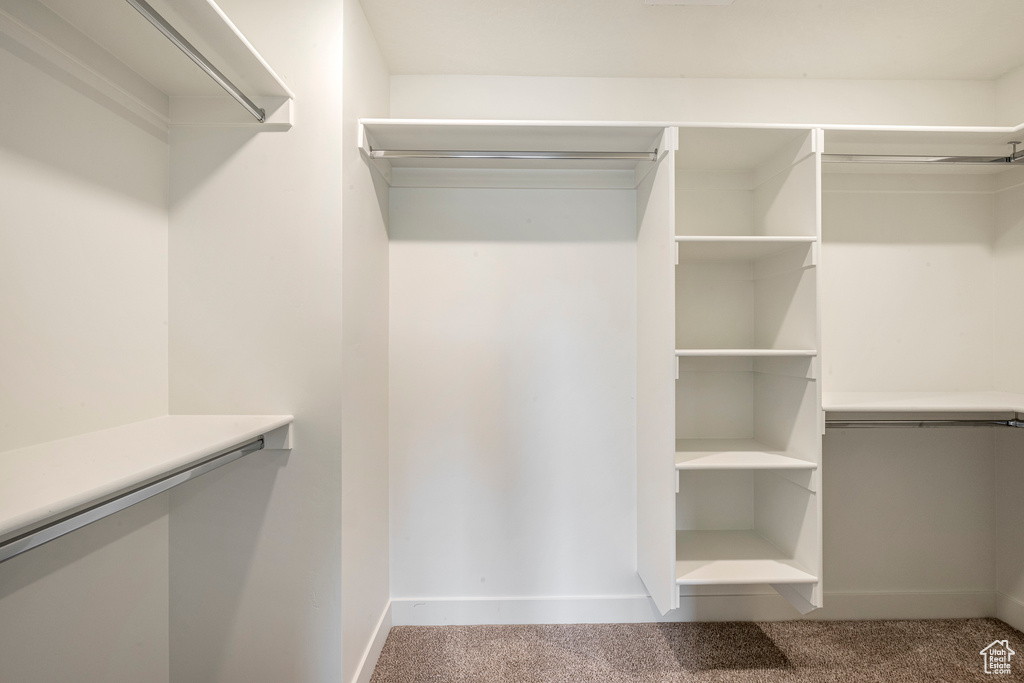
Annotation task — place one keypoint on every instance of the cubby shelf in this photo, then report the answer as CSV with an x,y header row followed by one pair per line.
x,y
734,454
736,247
745,353
733,558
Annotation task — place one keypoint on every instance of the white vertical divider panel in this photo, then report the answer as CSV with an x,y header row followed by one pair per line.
x,y
655,400
818,590
819,149
1008,252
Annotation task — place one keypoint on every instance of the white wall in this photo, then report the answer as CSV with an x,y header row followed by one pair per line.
x,y
1008,253
256,327
513,378
83,314
1010,97
364,358
667,99
83,262
910,511
907,282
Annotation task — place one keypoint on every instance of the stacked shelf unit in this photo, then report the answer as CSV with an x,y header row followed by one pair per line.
x,y
747,417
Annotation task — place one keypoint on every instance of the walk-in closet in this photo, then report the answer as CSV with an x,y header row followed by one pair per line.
x,y
352,340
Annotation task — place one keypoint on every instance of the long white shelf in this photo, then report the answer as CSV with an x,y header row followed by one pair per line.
x,y
396,139
745,353
736,247
734,454
112,49
48,481
706,558
923,402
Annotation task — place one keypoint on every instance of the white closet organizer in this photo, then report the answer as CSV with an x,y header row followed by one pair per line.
x,y
727,232
120,57
747,421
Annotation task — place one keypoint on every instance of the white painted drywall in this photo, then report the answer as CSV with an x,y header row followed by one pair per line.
x,y
909,510
83,262
1008,256
256,318
513,377
907,282
83,314
1010,97
670,99
365,588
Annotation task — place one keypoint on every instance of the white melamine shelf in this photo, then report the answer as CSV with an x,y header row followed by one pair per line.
x,y
453,136
47,481
109,46
734,454
923,402
706,558
744,353
736,247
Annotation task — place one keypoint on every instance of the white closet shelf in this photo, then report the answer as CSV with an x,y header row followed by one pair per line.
x,y
113,50
736,247
432,152
705,558
45,482
923,402
744,353
734,454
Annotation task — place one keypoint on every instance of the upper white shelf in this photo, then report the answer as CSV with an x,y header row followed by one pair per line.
x,y
119,55
734,454
923,402
736,247
383,136
46,481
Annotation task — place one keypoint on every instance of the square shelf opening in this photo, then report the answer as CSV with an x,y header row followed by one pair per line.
x,y
761,298
733,181
745,527
770,401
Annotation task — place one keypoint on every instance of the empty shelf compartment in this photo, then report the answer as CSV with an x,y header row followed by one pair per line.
x,y
705,558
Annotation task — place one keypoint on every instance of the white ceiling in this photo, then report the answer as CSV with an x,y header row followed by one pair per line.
x,y
871,39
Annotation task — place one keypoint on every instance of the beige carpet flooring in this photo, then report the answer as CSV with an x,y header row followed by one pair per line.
x,y
795,651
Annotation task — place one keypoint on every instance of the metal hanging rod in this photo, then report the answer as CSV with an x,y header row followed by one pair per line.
x,y
482,154
851,424
77,520
1013,158
196,56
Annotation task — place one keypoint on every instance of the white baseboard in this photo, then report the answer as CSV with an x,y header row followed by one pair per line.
x,y
635,609
372,653
1010,610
